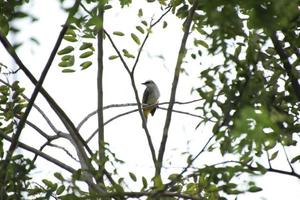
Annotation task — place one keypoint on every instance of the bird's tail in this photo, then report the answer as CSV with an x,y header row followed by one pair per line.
x,y
146,113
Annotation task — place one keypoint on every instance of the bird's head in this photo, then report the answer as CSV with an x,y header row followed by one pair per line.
x,y
149,82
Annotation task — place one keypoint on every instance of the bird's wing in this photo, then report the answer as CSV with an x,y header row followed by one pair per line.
x,y
146,95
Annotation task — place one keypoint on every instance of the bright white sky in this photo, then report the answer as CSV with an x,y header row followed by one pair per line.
x,y
76,93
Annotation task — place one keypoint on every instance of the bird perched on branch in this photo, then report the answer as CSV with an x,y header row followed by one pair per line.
x,y
150,98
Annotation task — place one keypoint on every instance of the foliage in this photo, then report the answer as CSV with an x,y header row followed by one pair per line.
x,y
251,99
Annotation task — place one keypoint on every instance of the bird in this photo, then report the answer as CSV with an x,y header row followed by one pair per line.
x,y
150,98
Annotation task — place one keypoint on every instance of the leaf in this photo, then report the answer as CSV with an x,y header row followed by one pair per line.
x,y
64,64
127,54
297,158
135,39
125,3
70,38
132,176
59,176
66,50
86,54
86,45
145,183
237,51
86,64
60,190
113,57
254,189
140,29
200,42
144,23
165,24
140,13
70,32
68,70
274,155
118,33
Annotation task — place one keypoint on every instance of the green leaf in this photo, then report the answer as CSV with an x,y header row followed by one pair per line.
x,y
145,183
59,176
86,64
70,38
125,3
254,189
165,24
295,159
135,39
274,155
70,32
66,50
127,54
132,176
118,33
140,13
113,57
86,45
144,23
140,29
60,190
200,42
68,70
86,54
64,64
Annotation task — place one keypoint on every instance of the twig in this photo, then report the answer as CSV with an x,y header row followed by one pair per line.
x,y
86,118
287,158
65,150
110,120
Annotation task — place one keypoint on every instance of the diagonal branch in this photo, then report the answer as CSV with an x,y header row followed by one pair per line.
x,y
37,88
286,64
181,55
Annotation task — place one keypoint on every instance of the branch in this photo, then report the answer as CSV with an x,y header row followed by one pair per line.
x,y
146,38
85,119
286,64
76,138
37,88
181,55
41,154
101,139
110,120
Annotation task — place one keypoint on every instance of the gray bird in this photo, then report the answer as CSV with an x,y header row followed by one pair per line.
x,y
150,97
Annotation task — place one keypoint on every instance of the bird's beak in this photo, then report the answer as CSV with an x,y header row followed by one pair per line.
x,y
143,83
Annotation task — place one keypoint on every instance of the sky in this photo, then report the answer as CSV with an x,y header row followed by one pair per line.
x,y
77,93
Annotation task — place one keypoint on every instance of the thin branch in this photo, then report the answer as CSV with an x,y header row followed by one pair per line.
x,y
182,112
146,38
41,154
287,159
110,120
269,160
51,125
63,149
181,55
86,118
